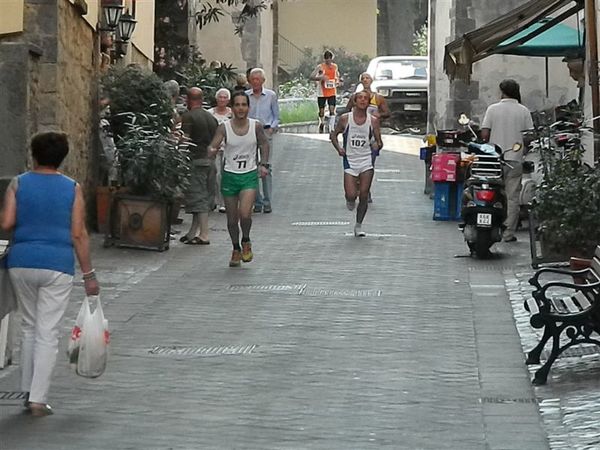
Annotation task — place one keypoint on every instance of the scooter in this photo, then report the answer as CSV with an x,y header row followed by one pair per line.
x,y
483,207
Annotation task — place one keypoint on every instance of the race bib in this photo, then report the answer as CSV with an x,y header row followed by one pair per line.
x,y
330,84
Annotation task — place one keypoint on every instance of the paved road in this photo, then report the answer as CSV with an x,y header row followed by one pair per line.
x,y
325,341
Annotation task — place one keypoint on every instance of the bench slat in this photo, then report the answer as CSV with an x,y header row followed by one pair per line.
x,y
557,305
532,306
582,300
570,304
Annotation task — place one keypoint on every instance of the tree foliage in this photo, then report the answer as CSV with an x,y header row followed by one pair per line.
x,y
420,41
209,79
212,12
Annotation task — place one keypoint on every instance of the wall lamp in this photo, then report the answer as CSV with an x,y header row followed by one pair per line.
x,y
117,23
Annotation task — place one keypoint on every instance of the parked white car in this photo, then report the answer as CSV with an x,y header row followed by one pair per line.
x,y
403,81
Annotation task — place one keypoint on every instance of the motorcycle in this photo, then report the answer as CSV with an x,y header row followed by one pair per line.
x,y
483,204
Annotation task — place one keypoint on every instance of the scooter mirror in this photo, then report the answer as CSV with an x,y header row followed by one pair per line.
x,y
464,119
517,147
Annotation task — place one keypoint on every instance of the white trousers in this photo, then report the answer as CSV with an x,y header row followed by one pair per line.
x,y
512,186
43,297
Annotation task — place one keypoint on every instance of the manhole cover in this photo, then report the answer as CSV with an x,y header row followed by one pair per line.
x,y
577,351
11,395
319,292
504,400
331,223
295,288
222,350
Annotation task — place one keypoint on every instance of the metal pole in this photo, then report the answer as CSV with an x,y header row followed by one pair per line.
x,y
592,43
547,77
275,55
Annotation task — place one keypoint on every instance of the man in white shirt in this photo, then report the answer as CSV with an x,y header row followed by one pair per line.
x,y
503,125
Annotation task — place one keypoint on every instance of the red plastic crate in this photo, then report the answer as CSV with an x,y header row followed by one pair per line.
x,y
444,166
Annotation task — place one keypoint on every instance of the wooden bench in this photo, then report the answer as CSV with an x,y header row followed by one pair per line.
x,y
573,314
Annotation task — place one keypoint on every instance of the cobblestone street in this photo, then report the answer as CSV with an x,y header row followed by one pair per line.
x,y
324,341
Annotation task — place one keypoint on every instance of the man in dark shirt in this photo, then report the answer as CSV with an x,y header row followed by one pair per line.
x,y
199,126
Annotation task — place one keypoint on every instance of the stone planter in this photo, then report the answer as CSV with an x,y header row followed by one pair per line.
x,y
139,222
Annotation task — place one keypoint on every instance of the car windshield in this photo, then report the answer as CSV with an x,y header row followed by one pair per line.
x,y
401,69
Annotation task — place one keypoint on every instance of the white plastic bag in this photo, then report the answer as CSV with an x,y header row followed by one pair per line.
x,y
92,345
73,348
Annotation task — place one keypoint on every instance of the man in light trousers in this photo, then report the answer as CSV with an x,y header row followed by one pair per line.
x,y
503,125
263,107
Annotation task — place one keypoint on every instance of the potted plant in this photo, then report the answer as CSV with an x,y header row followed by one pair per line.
x,y
126,92
155,168
567,207
151,164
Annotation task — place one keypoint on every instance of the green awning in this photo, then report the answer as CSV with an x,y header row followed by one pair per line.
x,y
560,40
475,45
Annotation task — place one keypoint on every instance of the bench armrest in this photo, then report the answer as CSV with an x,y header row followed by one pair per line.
x,y
541,295
535,281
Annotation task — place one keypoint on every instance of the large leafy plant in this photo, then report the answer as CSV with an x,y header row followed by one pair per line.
x,y
152,163
136,90
568,204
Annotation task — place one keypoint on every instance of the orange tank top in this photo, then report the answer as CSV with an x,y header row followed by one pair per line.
x,y
328,86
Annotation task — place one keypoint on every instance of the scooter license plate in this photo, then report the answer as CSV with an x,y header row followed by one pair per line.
x,y
484,220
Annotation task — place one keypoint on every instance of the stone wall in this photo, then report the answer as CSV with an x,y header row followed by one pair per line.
x,y
76,91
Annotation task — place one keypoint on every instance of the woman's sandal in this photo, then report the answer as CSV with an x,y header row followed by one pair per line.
x,y
40,409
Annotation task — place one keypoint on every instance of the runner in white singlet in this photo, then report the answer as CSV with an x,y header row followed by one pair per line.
x,y
239,180
241,150
362,136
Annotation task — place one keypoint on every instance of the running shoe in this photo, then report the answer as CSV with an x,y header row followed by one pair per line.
x,y
350,205
358,232
236,259
222,209
247,254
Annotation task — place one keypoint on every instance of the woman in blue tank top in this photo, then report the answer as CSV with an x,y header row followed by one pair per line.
x,y
45,212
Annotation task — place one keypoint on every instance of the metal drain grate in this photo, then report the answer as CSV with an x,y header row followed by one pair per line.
x,y
203,351
381,235
573,352
8,395
318,292
330,223
295,288
490,268
302,289
388,171
502,400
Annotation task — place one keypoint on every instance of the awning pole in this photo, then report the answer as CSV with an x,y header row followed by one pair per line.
x,y
592,42
547,77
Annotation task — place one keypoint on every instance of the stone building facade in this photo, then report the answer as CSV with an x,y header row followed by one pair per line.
x,y
449,19
49,72
47,82
397,24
